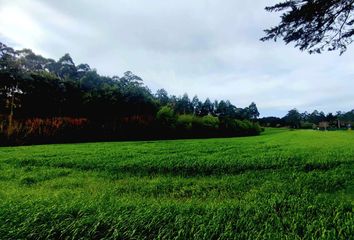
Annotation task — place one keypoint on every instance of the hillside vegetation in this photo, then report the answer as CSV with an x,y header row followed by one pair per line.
x,y
280,185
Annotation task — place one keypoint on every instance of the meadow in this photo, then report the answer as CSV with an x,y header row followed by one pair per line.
x,y
279,185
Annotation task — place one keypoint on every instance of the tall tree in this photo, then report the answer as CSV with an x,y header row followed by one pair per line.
x,y
184,105
10,73
66,67
253,111
197,106
30,61
314,25
207,108
82,69
293,118
221,109
162,96
130,78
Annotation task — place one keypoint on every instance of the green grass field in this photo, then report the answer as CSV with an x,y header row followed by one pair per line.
x,y
280,185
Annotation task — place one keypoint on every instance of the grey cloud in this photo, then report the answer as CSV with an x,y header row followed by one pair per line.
x,y
204,47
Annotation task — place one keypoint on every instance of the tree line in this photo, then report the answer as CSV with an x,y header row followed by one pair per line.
x,y
44,100
316,119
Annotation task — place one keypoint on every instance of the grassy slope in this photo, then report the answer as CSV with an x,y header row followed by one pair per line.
x,y
283,184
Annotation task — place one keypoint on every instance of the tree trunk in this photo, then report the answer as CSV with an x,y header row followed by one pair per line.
x,y
11,115
12,107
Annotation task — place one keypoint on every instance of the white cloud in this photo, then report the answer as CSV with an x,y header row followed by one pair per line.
x,y
204,47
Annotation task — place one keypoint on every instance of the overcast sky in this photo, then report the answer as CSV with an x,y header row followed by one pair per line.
x,y
206,47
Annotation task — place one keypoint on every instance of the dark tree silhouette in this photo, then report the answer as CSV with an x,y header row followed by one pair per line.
x,y
293,118
162,96
43,100
253,111
314,25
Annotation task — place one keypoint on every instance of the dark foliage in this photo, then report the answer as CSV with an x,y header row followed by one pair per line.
x,y
36,94
316,119
314,25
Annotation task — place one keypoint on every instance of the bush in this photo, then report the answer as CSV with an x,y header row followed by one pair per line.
x,y
185,121
234,127
209,126
198,126
39,130
307,125
166,125
210,122
166,117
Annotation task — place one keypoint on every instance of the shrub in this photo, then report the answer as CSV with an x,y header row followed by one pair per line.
x,y
198,125
210,122
166,117
185,121
39,130
307,125
234,127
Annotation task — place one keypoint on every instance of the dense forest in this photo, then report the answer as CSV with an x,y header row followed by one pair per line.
x,y
43,100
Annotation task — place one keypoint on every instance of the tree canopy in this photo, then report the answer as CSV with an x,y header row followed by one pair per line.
x,y
314,25
39,93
